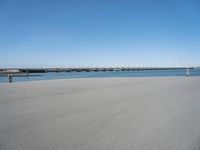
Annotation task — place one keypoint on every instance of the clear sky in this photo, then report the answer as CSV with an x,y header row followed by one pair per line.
x,y
60,33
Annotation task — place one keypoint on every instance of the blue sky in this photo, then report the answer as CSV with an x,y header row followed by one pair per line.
x,y
60,33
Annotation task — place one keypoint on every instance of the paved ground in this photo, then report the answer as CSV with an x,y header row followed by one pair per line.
x,y
101,114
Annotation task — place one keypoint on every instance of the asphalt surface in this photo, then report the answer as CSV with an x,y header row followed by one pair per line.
x,y
101,114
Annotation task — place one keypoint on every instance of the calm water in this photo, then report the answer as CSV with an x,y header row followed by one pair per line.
x,y
69,75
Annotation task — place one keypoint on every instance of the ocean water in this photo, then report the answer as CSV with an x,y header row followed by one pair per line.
x,y
70,75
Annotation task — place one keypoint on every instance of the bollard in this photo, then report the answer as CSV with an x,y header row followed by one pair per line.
x,y
27,73
187,72
9,78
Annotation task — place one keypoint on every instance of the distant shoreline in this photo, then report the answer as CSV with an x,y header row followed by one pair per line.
x,y
100,74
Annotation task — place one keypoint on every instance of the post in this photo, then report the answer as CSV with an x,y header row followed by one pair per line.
x,y
27,73
187,72
9,78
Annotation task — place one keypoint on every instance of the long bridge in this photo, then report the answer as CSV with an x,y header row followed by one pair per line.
x,y
82,69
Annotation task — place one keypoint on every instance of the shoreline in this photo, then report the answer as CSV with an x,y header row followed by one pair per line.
x,y
79,78
93,78
76,75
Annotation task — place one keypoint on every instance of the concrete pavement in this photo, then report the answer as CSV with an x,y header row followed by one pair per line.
x,y
101,114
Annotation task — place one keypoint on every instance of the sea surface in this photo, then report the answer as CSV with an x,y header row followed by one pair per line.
x,y
70,75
